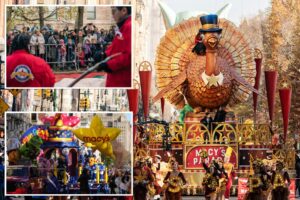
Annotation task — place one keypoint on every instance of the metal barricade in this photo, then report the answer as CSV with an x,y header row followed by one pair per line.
x,y
53,55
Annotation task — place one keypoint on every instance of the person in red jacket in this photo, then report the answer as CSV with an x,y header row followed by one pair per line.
x,y
119,67
24,69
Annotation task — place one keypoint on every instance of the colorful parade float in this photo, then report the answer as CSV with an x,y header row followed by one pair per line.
x,y
204,66
61,148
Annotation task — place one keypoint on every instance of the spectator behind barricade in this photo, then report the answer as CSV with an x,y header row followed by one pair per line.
x,y
9,39
88,37
93,47
62,52
74,37
62,36
110,36
97,33
53,49
41,44
24,29
34,44
24,69
70,51
80,55
87,51
46,34
89,28
34,28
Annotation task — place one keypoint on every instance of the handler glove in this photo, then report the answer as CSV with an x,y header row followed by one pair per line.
x,y
104,67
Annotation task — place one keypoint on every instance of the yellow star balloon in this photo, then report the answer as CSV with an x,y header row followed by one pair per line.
x,y
98,136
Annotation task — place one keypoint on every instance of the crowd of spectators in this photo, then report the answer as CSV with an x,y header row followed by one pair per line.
x,y
66,49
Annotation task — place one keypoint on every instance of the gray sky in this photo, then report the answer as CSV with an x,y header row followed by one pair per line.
x,y
239,10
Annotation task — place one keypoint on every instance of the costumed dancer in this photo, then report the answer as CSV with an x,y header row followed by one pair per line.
x,y
212,177
156,167
281,182
174,181
257,183
229,169
142,176
222,181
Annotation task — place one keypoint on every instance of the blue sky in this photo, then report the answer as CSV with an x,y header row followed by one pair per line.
x,y
239,10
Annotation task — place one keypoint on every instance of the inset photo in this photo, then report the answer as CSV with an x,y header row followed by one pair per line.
x,y
68,153
68,46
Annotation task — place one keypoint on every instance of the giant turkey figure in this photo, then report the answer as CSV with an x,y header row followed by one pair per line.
x,y
222,74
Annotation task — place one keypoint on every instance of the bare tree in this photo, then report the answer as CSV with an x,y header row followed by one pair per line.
x,y
79,18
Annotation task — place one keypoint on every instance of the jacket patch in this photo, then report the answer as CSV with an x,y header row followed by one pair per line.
x,y
22,73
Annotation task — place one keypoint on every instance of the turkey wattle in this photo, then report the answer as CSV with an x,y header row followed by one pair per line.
x,y
223,74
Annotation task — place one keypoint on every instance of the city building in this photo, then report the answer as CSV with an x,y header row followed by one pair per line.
x,y
120,121
17,123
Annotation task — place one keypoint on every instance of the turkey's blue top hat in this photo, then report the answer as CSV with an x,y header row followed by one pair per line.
x,y
209,23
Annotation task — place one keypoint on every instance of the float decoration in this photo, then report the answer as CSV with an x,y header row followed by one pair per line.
x,y
66,120
99,136
258,62
145,72
133,101
271,81
178,69
31,149
162,105
285,94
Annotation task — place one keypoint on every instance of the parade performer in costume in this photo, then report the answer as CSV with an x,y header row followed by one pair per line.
x,y
119,68
281,181
257,183
142,176
156,167
229,169
26,70
223,180
174,182
211,180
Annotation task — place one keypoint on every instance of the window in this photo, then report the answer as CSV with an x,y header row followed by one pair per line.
x,y
50,10
91,13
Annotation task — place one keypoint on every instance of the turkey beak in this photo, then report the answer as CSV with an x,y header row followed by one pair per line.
x,y
212,42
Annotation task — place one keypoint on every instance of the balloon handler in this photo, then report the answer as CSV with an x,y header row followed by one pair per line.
x,y
117,63
24,69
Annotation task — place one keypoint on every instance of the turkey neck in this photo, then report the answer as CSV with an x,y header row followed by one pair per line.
x,y
211,67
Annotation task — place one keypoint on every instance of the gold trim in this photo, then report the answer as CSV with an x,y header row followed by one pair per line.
x,y
60,139
209,26
63,128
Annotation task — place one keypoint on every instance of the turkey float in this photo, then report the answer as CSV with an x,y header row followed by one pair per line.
x,y
204,63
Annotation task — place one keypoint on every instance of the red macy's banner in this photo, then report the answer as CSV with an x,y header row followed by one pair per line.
x,y
194,161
